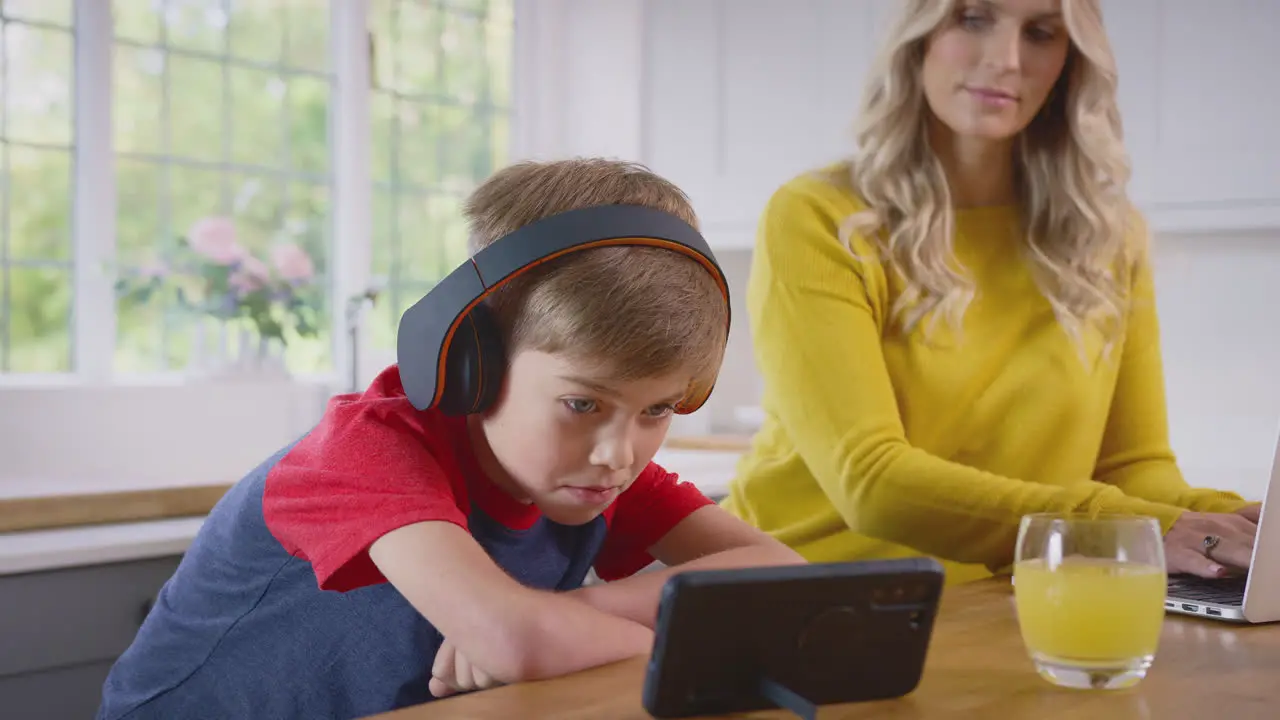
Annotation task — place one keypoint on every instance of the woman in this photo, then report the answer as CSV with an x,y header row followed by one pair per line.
x,y
958,326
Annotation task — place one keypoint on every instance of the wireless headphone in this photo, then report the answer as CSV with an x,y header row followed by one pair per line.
x,y
449,348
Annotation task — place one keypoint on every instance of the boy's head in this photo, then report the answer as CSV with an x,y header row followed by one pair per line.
x,y
601,343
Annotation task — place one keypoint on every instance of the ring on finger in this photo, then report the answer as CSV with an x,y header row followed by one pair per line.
x,y
1209,543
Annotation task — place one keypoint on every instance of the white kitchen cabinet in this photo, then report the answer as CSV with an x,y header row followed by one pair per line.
x,y
729,98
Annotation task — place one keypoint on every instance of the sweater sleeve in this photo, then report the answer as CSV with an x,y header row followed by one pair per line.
x,y
1135,454
818,345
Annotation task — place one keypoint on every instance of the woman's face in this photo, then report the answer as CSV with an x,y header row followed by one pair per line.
x,y
990,66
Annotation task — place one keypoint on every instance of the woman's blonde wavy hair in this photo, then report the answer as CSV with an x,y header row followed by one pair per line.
x,y
1071,167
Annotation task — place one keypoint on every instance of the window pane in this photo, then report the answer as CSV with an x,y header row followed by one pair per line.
x,y
138,87
382,129
418,58
465,74
419,256
136,21
465,150
309,124
384,319
383,15
257,117
308,23
498,62
139,225
193,193
384,227
40,213
39,319
139,334
195,108
417,153
38,105
259,213
57,12
196,25
257,31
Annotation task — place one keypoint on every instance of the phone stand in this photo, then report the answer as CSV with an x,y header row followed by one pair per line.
x,y
787,699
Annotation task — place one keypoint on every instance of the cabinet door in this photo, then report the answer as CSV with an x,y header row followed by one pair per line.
x,y
68,693
75,616
1196,95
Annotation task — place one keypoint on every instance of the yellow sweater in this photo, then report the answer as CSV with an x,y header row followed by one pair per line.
x,y
877,445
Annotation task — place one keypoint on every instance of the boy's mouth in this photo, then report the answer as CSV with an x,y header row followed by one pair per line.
x,y
593,494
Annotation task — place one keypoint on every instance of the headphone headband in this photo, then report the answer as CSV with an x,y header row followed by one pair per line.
x,y
431,330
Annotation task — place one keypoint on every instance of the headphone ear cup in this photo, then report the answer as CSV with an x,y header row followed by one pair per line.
x,y
474,365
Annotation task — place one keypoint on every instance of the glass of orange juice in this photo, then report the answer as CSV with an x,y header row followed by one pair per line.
x,y
1090,592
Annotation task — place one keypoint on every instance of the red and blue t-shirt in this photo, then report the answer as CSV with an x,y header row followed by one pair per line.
x,y
249,625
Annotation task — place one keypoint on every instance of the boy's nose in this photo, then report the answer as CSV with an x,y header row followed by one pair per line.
x,y
614,451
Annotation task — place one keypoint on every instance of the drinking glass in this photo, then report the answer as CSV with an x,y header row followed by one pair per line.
x,y
1090,597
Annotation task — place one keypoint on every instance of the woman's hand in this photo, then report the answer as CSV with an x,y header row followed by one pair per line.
x,y
1184,545
1251,512
452,673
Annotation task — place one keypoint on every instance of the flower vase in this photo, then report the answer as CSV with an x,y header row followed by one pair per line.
x,y
237,354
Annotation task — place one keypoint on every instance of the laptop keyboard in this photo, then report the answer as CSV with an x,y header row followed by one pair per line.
x,y
1224,591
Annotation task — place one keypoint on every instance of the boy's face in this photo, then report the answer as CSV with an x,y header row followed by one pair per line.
x,y
570,440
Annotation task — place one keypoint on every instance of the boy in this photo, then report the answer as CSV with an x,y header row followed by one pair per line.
x,y
392,556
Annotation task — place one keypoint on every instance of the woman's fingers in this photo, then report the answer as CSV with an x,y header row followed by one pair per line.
x,y
1186,550
1230,552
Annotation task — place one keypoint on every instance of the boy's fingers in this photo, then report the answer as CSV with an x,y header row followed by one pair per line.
x,y
438,688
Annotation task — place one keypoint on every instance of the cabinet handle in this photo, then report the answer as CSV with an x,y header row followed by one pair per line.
x,y
145,610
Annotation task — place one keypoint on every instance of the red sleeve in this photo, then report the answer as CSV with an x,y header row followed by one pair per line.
x,y
641,516
364,471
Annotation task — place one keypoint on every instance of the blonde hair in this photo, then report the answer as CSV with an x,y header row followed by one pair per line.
x,y
1070,162
637,312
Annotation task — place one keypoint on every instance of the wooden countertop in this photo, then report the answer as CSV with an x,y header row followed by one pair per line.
x,y
78,509
977,667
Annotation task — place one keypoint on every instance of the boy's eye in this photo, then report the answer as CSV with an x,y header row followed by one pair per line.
x,y
657,411
581,406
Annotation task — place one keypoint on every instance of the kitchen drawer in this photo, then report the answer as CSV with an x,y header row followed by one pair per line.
x,y
75,616
70,693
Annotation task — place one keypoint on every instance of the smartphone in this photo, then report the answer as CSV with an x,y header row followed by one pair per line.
x,y
796,636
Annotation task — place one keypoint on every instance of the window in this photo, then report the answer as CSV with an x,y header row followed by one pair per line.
x,y
440,124
229,108
220,109
36,150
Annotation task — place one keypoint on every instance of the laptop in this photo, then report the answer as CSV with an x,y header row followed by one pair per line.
x,y
1246,598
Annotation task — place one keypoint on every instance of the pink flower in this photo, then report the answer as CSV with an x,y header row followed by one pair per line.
x,y
214,238
252,275
292,263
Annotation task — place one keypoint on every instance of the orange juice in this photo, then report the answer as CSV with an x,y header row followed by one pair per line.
x,y
1090,611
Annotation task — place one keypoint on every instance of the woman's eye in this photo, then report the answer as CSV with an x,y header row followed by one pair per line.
x,y
973,19
1041,34
580,406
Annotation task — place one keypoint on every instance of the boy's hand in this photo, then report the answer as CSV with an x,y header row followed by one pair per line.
x,y
452,673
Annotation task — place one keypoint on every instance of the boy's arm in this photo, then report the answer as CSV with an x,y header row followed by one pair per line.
x,y
707,538
511,631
